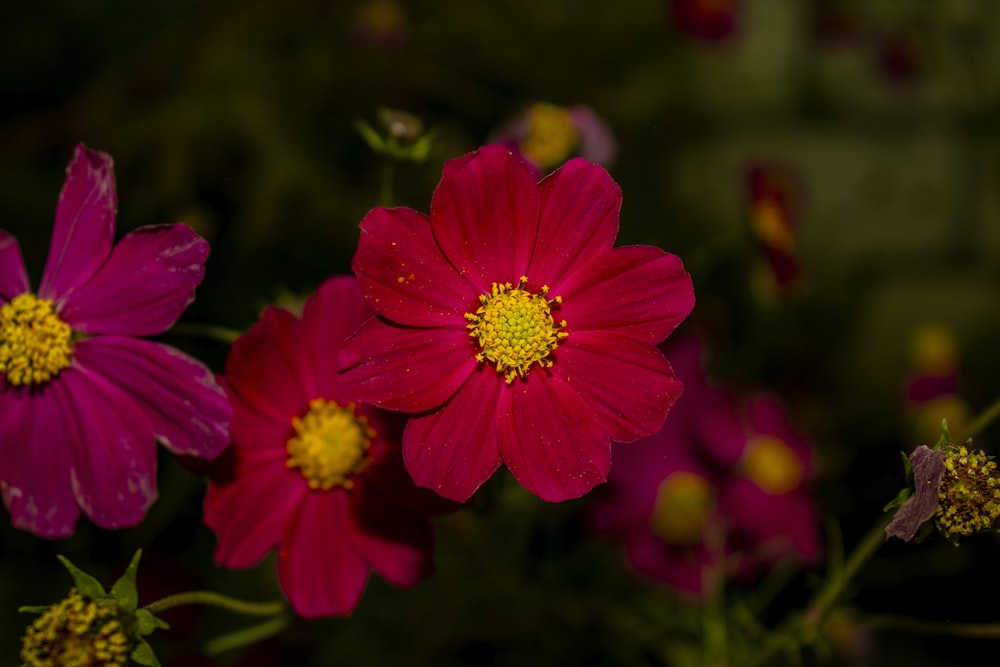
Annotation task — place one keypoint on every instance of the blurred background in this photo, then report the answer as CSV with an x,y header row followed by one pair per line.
x,y
828,171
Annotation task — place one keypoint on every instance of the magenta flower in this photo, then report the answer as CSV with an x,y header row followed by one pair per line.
x,y
82,398
513,328
315,474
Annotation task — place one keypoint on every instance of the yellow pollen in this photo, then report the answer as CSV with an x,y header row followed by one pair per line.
x,y
35,345
684,503
330,445
552,136
772,465
969,497
76,632
514,328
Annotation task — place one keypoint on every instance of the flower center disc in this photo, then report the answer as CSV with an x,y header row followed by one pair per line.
x,y
35,345
772,465
551,135
684,503
330,445
969,498
76,632
515,329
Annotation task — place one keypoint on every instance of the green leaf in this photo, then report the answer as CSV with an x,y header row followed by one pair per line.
x,y
900,498
945,435
124,590
371,137
143,655
34,609
148,623
85,584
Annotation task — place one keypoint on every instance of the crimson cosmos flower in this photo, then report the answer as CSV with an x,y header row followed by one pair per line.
x,y
82,398
513,328
315,474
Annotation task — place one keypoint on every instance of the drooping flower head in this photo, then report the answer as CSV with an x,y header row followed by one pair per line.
x,y
315,473
83,398
513,328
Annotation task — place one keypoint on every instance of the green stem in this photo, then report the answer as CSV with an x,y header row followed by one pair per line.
x,y
210,331
247,636
893,622
217,600
984,419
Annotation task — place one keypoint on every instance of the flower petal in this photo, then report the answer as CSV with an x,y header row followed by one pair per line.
x,y
402,368
405,275
627,384
258,430
597,140
85,224
145,285
640,291
13,275
321,571
578,221
484,214
188,411
550,440
454,449
397,545
34,462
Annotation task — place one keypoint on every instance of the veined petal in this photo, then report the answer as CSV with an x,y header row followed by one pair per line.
x,y
258,430
188,411
484,214
13,275
640,291
550,440
404,274
145,285
397,545
454,449
321,571
403,368
578,221
629,385
85,224
34,462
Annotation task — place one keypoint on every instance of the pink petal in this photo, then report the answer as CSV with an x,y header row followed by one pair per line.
x,y
402,368
767,416
597,140
549,439
321,571
484,214
34,462
405,276
454,449
145,285
578,221
188,411
397,545
640,291
13,276
112,452
628,385
685,569
85,224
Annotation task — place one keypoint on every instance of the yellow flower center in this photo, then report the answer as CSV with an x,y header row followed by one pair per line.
x,y
515,328
35,345
969,497
772,226
772,465
330,445
75,632
552,136
684,503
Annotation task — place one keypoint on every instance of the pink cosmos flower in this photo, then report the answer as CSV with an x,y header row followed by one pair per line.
x,y
315,474
513,328
82,398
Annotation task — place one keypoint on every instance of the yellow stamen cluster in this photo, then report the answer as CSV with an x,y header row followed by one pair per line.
x,y
684,503
35,345
330,445
515,328
772,465
552,136
76,632
969,497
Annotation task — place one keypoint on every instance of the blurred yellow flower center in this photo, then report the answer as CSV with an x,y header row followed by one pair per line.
x,y
75,632
684,503
969,497
515,328
772,226
772,465
330,445
35,345
552,136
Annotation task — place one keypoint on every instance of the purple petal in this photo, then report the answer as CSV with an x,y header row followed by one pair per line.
x,y
188,411
85,224
146,284
405,276
397,545
484,214
13,276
